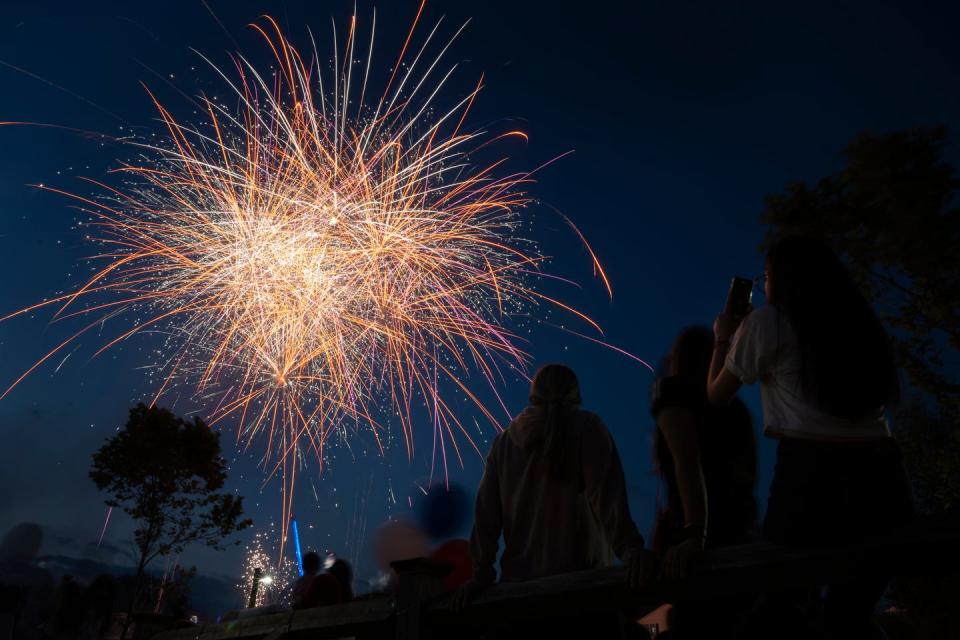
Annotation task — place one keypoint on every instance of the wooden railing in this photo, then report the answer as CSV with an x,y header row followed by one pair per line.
x,y
419,608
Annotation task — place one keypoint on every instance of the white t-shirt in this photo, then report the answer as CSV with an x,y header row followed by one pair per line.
x,y
765,349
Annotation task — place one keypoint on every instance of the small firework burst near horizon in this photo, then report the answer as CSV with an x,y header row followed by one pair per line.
x,y
277,574
321,258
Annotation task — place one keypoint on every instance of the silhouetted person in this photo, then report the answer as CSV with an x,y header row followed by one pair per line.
x,y
343,572
706,458
705,455
554,487
311,567
29,586
315,589
827,375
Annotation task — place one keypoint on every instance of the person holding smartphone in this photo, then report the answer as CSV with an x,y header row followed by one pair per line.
x,y
827,378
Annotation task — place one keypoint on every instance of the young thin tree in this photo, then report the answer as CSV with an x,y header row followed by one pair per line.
x,y
167,474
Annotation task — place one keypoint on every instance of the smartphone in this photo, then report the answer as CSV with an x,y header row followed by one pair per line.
x,y
739,297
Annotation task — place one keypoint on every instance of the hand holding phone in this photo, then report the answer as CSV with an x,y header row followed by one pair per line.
x,y
735,310
738,298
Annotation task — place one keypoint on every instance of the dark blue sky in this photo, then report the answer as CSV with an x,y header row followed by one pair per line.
x,y
682,115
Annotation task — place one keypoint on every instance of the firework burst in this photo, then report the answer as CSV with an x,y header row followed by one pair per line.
x,y
276,577
318,255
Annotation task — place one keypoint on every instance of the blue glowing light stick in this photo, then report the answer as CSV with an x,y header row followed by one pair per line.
x,y
296,544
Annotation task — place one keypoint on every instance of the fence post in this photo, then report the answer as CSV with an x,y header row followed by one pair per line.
x,y
419,581
257,575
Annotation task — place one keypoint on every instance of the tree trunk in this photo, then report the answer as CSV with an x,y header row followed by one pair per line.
x,y
137,588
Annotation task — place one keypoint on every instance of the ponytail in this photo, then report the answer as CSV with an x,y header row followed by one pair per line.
x,y
556,391
554,446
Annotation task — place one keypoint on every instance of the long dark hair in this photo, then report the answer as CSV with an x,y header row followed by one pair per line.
x,y
556,391
848,368
690,355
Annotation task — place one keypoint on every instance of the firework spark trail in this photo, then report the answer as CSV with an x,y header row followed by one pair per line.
x,y
356,530
315,265
106,522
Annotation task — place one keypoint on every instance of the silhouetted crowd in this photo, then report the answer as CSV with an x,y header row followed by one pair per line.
x,y
553,489
316,589
553,485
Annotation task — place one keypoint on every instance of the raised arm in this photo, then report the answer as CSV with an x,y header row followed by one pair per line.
x,y
722,385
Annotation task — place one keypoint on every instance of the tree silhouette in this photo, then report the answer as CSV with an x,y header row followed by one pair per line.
x,y
166,473
892,213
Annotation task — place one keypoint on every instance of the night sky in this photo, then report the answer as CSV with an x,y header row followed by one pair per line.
x,y
681,116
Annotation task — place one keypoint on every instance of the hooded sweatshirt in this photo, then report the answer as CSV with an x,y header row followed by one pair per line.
x,y
551,525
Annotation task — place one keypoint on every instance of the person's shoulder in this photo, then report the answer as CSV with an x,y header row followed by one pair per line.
x,y
498,439
587,417
760,326
767,315
505,438
589,422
